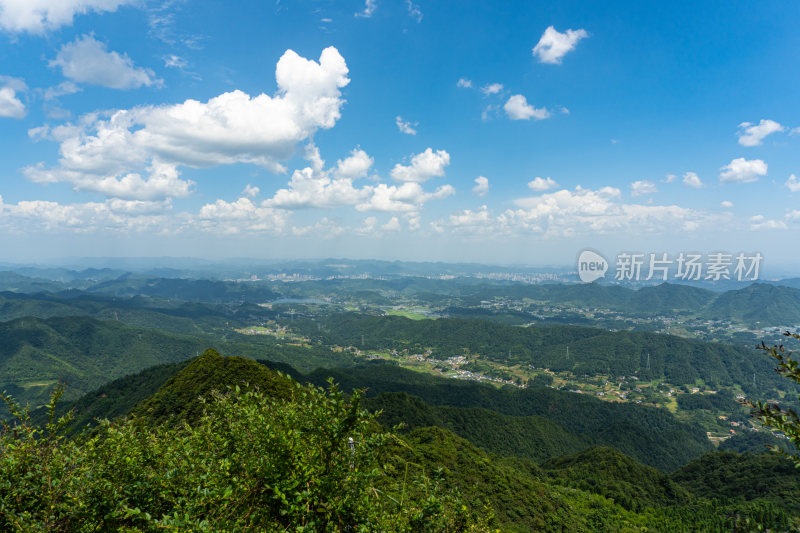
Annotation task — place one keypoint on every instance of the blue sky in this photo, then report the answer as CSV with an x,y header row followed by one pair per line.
x,y
502,132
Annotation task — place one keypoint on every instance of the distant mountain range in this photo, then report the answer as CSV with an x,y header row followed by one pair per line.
x,y
755,305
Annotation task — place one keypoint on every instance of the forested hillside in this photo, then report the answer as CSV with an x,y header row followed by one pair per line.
x,y
263,428
591,351
81,352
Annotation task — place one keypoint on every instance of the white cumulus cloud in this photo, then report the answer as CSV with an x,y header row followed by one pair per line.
x,y
239,216
753,134
793,183
86,60
492,88
481,187
251,191
10,104
314,186
642,187
423,167
726,204
464,83
553,46
542,184
355,166
62,89
691,179
369,8
408,197
414,11
518,108
477,221
759,222
38,16
742,170
112,215
564,213
174,61
104,148
325,228
393,224
405,126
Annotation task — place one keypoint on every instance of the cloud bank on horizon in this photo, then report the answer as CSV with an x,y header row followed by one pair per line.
x,y
166,135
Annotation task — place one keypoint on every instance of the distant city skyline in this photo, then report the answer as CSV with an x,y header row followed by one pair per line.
x,y
516,133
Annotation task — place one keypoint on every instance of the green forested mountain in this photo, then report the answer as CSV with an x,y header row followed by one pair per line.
x,y
209,465
140,311
591,351
531,437
179,396
114,399
653,436
515,490
81,352
535,423
735,478
536,458
758,304
191,290
756,442
615,476
85,353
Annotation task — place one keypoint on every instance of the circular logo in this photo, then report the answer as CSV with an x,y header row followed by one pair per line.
x,y
591,266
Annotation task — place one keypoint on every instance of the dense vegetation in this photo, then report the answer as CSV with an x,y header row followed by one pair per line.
x,y
530,437
84,353
249,463
616,476
536,423
265,453
591,351
734,477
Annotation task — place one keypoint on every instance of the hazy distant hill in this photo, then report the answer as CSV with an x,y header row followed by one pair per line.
x,y
191,290
138,311
668,297
11,281
758,304
788,282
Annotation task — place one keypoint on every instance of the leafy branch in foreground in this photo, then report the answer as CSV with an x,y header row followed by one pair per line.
x,y
771,414
250,463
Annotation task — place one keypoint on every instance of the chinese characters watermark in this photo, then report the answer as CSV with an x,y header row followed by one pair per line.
x,y
685,266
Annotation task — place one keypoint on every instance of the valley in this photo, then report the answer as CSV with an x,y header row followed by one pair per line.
x,y
546,378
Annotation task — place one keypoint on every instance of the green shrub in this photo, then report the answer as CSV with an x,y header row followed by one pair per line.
x,y
250,463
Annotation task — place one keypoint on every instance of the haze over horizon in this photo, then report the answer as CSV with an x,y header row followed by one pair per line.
x,y
402,130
